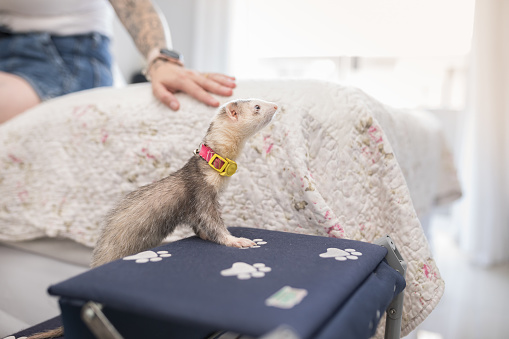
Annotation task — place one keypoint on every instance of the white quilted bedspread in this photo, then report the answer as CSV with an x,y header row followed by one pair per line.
x,y
334,162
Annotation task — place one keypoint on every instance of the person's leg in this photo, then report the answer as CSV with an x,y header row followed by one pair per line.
x,y
16,96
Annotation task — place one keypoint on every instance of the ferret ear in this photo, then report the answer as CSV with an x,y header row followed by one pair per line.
x,y
232,111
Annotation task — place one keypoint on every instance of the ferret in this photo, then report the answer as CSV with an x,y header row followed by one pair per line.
x,y
190,195
144,217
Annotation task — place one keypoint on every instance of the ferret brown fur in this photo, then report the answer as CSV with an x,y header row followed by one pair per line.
x,y
189,196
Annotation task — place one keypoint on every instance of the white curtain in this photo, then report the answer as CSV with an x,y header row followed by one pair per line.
x,y
211,36
483,214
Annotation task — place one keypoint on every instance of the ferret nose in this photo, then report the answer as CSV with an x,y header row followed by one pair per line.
x,y
275,107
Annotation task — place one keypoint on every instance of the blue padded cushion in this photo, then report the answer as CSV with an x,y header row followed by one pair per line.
x,y
189,286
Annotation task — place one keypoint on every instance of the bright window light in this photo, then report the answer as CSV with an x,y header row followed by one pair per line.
x,y
407,53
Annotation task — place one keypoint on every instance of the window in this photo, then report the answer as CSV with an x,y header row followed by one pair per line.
x,y
406,53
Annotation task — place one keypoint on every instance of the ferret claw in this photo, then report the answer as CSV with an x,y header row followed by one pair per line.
x,y
239,242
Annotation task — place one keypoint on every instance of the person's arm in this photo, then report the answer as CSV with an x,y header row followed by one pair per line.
x,y
144,25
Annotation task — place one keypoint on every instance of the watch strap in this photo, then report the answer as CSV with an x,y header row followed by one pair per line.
x,y
163,54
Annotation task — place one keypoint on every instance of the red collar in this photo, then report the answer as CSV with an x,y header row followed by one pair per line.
x,y
224,166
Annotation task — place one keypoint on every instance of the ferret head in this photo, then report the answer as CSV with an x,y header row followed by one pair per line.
x,y
238,120
249,116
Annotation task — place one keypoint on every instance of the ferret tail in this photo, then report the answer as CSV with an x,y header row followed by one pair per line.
x,y
55,333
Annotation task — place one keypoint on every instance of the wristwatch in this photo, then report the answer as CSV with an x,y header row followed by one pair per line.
x,y
166,55
173,55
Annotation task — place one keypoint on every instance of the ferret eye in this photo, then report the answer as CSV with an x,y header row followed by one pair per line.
x,y
257,106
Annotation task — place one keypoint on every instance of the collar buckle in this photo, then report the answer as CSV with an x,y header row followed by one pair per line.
x,y
228,168
225,167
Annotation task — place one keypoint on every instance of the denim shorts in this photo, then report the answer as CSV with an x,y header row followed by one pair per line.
x,y
57,65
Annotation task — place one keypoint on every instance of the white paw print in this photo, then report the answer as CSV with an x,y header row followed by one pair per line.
x,y
259,243
341,255
144,257
245,271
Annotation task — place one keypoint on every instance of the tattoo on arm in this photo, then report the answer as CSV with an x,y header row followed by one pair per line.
x,y
142,22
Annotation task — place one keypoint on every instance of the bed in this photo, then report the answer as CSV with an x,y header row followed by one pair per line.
x,y
335,162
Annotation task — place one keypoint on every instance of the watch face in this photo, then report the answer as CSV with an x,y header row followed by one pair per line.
x,y
170,53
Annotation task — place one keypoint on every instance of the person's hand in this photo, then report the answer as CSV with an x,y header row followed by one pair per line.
x,y
168,78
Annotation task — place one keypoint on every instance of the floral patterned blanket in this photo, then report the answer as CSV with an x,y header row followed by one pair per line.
x,y
334,162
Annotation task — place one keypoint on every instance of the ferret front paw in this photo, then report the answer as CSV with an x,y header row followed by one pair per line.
x,y
239,242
